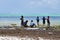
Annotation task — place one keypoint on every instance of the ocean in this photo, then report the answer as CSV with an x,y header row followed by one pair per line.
x,y
8,20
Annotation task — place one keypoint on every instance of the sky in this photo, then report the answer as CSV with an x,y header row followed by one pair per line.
x,y
30,7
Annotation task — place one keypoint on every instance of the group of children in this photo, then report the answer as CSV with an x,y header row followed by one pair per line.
x,y
48,20
32,24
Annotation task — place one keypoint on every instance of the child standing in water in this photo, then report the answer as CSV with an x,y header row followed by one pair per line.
x,y
22,20
37,21
48,21
43,21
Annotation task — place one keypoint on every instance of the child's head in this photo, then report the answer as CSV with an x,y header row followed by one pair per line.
x,y
37,17
43,17
48,16
21,16
31,20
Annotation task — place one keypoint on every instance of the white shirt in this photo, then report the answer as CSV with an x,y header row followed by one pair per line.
x,y
31,23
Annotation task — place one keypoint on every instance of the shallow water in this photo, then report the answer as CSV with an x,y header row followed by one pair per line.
x,y
55,20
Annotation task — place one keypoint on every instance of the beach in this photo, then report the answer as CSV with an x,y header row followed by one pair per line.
x,y
44,34
11,27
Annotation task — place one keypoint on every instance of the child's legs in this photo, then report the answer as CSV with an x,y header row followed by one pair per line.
x,y
38,24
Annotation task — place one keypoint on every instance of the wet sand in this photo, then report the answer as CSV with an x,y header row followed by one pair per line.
x,y
31,33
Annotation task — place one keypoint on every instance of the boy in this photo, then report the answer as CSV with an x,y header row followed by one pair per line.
x,y
22,20
32,24
48,21
37,20
43,21
25,23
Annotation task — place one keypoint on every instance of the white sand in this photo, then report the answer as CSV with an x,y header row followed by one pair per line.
x,y
21,38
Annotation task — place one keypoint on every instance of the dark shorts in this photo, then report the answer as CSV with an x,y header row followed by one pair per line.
x,y
37,20
43,22
48,22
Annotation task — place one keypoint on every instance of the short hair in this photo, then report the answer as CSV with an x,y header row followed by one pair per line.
x,y
22,16
37,17
48,16
31,20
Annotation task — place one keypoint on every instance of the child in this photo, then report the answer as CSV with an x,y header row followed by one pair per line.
x,y
48,21
32,24
25,23
22,20
37,20
43,21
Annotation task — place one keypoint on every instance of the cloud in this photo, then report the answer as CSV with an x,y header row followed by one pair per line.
x,y
45,3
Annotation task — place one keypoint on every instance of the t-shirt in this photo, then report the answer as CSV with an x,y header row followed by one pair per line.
x,y
31,23
43,20
22,20
48,21
37,19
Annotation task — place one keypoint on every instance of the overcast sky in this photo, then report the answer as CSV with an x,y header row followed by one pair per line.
x,y
29,7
